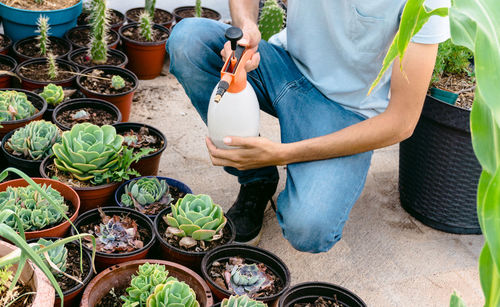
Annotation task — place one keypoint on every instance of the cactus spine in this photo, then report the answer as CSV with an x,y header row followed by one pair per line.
x,y
146,26
150,7
53,71
271,19
197,8
100,27
43,37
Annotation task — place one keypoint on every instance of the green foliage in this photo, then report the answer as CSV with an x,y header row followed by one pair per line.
x,y
14,106
150,7
452,59
146,26
58,256
271,19
53,70
100,27
144,192
34,141
456,301
196,216
173,293
43,37
197,8
117,82
53,94
241,301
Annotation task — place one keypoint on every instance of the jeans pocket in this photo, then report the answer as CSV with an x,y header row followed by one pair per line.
x,y
368,33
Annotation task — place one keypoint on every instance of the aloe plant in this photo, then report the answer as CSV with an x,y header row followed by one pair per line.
x,y
99,24
43,37
34,141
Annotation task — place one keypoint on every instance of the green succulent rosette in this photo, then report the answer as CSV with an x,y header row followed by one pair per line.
x,y
35,140
173,293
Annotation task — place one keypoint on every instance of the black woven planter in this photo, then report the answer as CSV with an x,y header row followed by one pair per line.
x,y
438,171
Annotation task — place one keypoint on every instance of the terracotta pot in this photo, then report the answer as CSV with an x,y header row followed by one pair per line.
x,y
30,167
29,84
50,109
150,164
111,52
53,40
85,103
82,20
33,276
119,276
178,10
37,101
310,291
145,58
5,50
104,260
167,24
91,197
67,192
5,80
113,41
122,101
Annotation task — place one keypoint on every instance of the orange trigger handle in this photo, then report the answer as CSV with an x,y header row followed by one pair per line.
x,y
236,76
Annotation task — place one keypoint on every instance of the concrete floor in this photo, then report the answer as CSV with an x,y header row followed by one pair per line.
x,y
386,256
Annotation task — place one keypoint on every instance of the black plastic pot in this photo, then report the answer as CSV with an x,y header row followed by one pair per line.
x,y
178,10
48,114
6,80
82,20
112,43
310,291
84,103
53,39
30,84
111,52
438,171
167,24
5,50
251,254
104,260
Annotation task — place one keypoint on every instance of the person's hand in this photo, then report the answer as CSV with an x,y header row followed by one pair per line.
x,y
251,35
252,152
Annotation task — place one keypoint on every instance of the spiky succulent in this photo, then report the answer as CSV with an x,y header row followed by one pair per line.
x,y
53,94
247,279
53,69
43,37
173,293
58,255
117,82
146,26
150,7
197,8
271,19
14,106
88,150
147,195
196,216
99,32
34,141
34,211
241,301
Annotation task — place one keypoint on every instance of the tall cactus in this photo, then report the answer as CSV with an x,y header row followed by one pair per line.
x,y
146,26
53,70
100,27
43,37
197,8
150,7
271,19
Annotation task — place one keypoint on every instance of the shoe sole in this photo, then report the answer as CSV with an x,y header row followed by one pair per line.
x,y
255,241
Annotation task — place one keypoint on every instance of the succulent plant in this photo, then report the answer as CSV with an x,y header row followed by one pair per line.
x,y
87,150
117,82
53,94
14,106
142,286
146,26
248,278
150,7
146,194
34,141
57,255
173,293
100,26
241,301
43,37
197,8
34,211
196,217
271,19
53,69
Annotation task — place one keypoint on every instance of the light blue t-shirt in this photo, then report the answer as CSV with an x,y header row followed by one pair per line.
x,y
339,45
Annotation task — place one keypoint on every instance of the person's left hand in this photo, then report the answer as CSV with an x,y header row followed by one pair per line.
x,y
253,152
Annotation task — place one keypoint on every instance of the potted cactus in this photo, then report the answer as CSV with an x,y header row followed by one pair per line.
x,y
7,64
159,16
271,20
191,228
144,42
195,11
26,147
116,19
41,45
5,44
125,279
319,294
19,107
54,95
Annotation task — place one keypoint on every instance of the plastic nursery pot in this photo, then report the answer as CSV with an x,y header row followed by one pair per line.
x,y
33,39
310,291
37,101
150,164
80,103
120,57
30,167
120,275
83,20
251,254
50,109
31,84
104,260
19,23
122,101
90,197
145,58
8,43
188,11
79,34
446,96
71,296
66,191
5,80
31,275
132,16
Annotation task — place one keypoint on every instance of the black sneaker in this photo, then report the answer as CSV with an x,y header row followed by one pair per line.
x,y
247,212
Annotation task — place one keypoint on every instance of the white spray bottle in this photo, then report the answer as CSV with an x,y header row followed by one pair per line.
x,y
233,109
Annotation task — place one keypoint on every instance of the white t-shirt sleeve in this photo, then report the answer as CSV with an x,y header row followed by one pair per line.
x,y
437,29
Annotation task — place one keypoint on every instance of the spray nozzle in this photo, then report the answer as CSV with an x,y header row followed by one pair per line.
x,y
221,89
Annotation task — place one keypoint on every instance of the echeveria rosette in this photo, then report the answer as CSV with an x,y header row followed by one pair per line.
x,y
15,106
146,192
35,140
198,217
53,94
173,293
88,150
247,279
57,255
241,301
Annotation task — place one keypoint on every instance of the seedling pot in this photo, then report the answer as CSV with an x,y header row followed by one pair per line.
x,y
310,291
446,96
167,24
250,253
111,52
150,164
66,191
6,80
37,101
75,31
122,101
5,50
115,26
53,40
19,23
48,113
178,12
145,58
104,260
120,275
30,167
30,84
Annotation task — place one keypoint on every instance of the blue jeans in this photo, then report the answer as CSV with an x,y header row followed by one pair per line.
x,y
319,195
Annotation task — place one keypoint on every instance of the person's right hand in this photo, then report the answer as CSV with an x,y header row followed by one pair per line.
x,y
251,35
